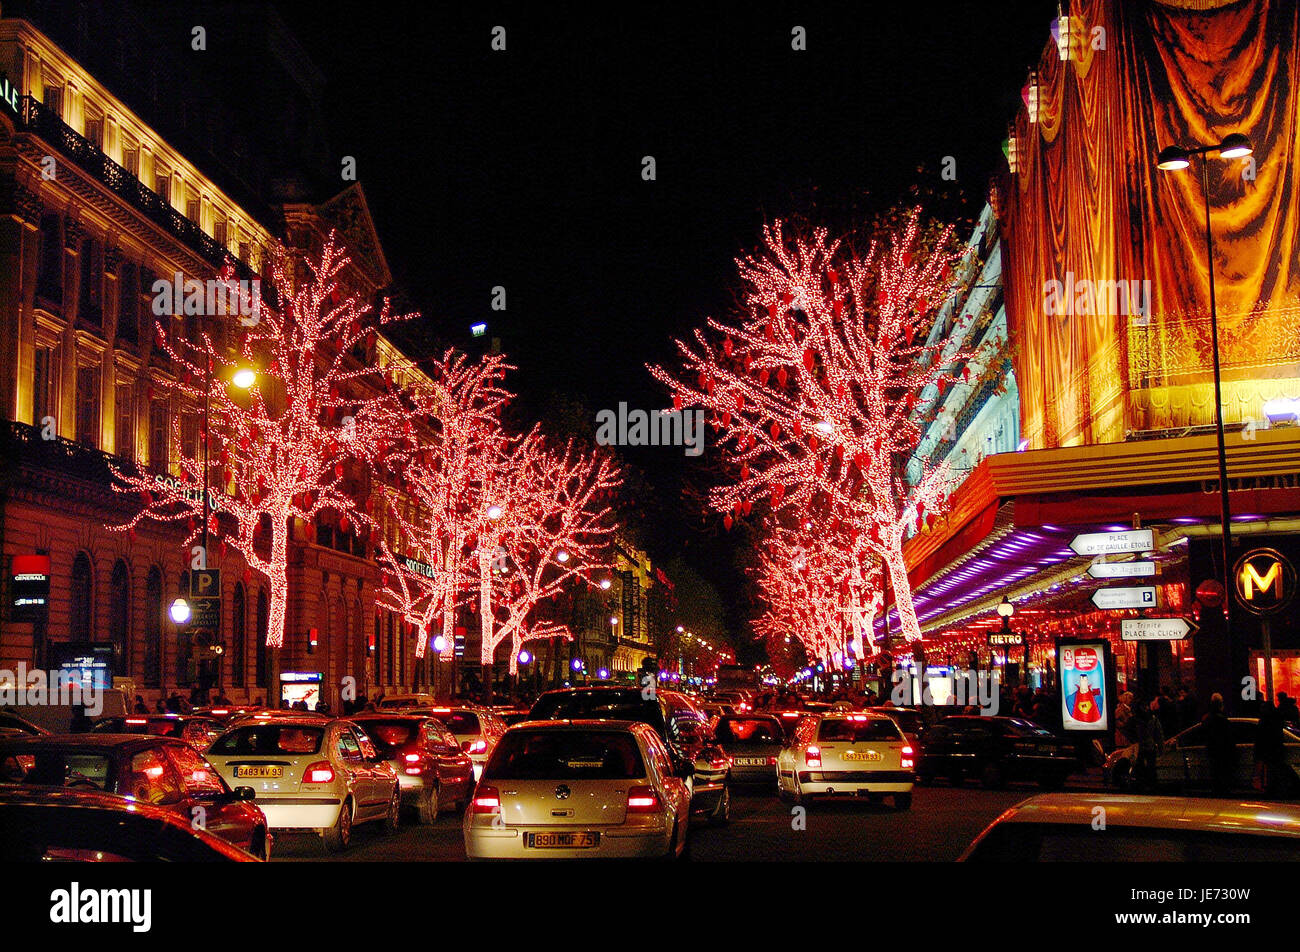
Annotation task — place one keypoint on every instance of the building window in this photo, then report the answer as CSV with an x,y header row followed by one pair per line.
x,y
162,184
238,641
159,433
79,605
189,436
45,385
131,160
153,620
49,280
119,614
95,132
124,428
54,99
88,406
192,210
392,667
263,622
219,231
128,294
91,308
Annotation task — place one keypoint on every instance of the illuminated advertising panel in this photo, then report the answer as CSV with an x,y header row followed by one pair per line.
x,y
1087,679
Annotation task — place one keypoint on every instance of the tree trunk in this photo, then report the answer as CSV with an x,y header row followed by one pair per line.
x,y
277,573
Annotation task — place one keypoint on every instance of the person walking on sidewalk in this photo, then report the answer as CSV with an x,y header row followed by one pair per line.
x,y
1219,747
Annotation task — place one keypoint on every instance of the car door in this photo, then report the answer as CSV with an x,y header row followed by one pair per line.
x,y
674,787
379,773
455,770
205,792
360,784
149,775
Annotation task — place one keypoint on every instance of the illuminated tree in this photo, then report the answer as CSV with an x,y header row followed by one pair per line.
x,y
820,388
543,522
295,444
432,504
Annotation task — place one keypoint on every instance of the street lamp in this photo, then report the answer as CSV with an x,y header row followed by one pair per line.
x,y
180,611
605,584
1172,158
1006,610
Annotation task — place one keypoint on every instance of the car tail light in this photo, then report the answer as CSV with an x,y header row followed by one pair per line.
x,y
487,800
642,800
812,756
771,761
136,720
319,772
412,758
474,746
908,757
219,711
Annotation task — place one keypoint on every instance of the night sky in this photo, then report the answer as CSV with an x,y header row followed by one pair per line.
x,y
523,168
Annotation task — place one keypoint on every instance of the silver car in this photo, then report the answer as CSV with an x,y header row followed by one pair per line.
x,y
579,789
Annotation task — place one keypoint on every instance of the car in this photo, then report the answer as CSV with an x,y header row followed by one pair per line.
x,y
477,729
709,793
225,713
395,702
197,731
996,750
268,713
846,754
11,723
1184,762
311,774
908,719
163,771
1139,829
753,742
789,718
738,700
432,770
579,789
49,824
511,716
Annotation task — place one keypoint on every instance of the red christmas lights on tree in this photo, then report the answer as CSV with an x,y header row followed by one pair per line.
x,y
820,390
293,444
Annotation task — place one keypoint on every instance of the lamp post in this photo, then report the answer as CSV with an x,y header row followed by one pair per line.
x,y
1172,158
1006,610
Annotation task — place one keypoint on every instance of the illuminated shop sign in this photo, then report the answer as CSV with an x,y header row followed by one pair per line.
x,y
29,587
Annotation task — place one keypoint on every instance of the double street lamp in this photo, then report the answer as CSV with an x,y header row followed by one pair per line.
x,y
1172,158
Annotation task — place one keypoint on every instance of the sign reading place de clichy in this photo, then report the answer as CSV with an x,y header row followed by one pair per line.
x,y
1154,629
1113,543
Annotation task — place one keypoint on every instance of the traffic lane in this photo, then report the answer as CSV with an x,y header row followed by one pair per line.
x,y
938,828
440,842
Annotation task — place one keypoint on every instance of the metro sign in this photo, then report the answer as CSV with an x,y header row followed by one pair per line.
x,y
1264,581
1113,543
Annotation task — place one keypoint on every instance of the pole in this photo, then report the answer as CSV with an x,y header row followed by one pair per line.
x,y
1225,508
1266,630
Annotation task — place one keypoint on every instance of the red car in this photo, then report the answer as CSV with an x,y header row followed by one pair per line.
x,y
163,771
435,774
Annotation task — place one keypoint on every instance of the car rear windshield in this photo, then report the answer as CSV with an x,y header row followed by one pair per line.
x,y
391,734
837,729
283,739
907,720
56,768
566,755
749,730
604,706
460,722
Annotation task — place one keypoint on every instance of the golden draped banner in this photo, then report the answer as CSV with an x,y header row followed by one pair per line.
x,y
1087,208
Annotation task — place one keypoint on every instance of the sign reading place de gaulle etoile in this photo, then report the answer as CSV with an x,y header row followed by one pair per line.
x,y
1113,543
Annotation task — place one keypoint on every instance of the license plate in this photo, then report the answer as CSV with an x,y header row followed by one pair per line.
x,y
750,761
863,755
563,841
259,773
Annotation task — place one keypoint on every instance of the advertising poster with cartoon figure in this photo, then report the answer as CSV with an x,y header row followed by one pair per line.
x,y
1083,686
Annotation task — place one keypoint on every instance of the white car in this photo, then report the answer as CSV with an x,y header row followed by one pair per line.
x,y
579,789
309,774
852,754
476,728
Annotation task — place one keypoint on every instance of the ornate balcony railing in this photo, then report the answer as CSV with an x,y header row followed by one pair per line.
x,y
24,445
38,118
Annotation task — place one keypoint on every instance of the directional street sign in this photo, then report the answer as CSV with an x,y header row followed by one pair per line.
x,y
1142,596
1155,629
1112,543
1122,569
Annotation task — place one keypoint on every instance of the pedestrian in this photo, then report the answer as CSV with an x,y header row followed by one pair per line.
x,y
160,706
1220,747
1150,740
1167,711
1287,709
1124,720
1270,750
140,706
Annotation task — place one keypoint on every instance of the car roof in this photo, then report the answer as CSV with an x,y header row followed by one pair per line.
x,y
284,722
1195,813
32,795
106,742
576,725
